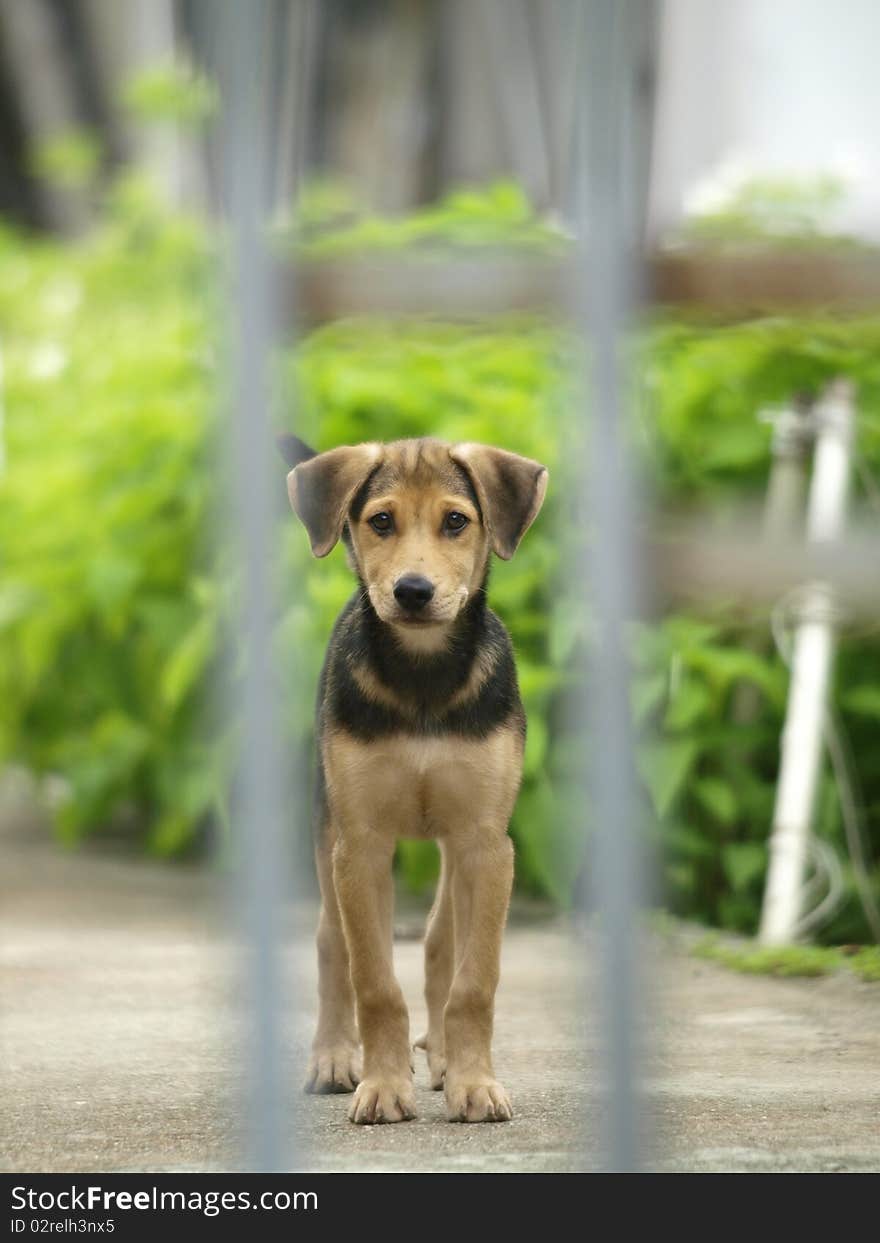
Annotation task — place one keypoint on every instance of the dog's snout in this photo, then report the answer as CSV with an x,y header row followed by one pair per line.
x,y
413,592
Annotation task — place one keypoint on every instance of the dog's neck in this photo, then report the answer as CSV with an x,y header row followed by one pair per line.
x,y
430,676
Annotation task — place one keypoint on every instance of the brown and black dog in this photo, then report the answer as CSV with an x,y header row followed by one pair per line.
x,y
420,734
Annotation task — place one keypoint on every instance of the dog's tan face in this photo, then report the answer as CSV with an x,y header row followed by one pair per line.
x,y
422,517
418,542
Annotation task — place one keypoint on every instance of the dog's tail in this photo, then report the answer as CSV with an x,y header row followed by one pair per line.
x,y
294,450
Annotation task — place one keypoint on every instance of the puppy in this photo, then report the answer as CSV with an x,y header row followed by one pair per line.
x,y
420,734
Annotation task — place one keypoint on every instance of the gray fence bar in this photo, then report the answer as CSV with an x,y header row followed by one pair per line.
x,y
608,223
262,868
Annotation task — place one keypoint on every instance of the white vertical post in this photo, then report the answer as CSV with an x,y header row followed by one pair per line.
x,y
793,436
811,664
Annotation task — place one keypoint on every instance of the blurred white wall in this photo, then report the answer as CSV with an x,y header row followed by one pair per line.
x,y
782,86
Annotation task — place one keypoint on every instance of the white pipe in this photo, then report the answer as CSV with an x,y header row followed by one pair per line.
x,y
812,656
793,435
794,431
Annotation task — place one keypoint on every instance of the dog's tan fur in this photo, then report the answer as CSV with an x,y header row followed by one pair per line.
x,y
454,788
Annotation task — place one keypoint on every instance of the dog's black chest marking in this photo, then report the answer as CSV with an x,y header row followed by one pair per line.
x,y
422,696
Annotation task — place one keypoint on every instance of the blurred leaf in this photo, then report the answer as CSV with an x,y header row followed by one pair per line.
x,y
863,700
537,741
419,863
171,834
665,768
188,661
647,694
688,842
718,798
172,92
743,863
71,159
687,705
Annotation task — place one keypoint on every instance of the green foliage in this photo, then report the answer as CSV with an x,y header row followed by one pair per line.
x,y
108,599
69,159
780,960
791,960
785,211
170,94
865,962
330,221
114,602
711,772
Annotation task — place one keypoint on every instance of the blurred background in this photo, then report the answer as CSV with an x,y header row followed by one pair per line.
x,y
423,130
407,138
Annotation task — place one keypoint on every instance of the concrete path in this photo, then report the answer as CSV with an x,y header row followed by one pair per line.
x,y
120,1042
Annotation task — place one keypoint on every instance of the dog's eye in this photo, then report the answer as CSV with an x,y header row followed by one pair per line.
x,y
382,523
455,522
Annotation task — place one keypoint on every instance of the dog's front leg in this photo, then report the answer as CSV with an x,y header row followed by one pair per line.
x,y
481,885
362,874
333,1066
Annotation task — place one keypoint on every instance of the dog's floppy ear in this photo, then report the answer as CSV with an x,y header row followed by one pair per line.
x,y
510,490
322,489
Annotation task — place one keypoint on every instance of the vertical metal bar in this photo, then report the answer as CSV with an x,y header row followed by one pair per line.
x,y
511,55
605,290
261,859
303,21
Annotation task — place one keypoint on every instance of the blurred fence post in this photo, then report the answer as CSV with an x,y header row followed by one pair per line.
x,y
811,663
793,435
260,844
605,288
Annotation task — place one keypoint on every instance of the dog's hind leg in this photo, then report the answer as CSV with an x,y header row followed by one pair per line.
x,y
481,885
333,1066
439,966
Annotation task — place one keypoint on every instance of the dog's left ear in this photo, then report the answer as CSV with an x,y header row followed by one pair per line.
x,y
322,489
510,490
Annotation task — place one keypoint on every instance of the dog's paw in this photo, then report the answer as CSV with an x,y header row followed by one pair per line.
x,y
383,1100
436,1061
476,1099
333,1068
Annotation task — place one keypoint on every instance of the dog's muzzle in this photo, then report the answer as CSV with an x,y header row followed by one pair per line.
x,y
412,592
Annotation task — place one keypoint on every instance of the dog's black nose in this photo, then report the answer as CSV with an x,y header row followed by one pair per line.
x,y
413,592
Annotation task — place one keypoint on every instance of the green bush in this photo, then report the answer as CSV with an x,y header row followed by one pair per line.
x,y
113,600
711,780
108,599
791,961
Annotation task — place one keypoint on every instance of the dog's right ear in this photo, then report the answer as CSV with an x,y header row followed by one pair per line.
x,y
322,489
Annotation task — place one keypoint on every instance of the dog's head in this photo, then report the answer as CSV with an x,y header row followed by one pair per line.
x,y
421,518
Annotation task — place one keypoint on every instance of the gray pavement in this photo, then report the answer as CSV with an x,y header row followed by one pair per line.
x,y
120,1042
